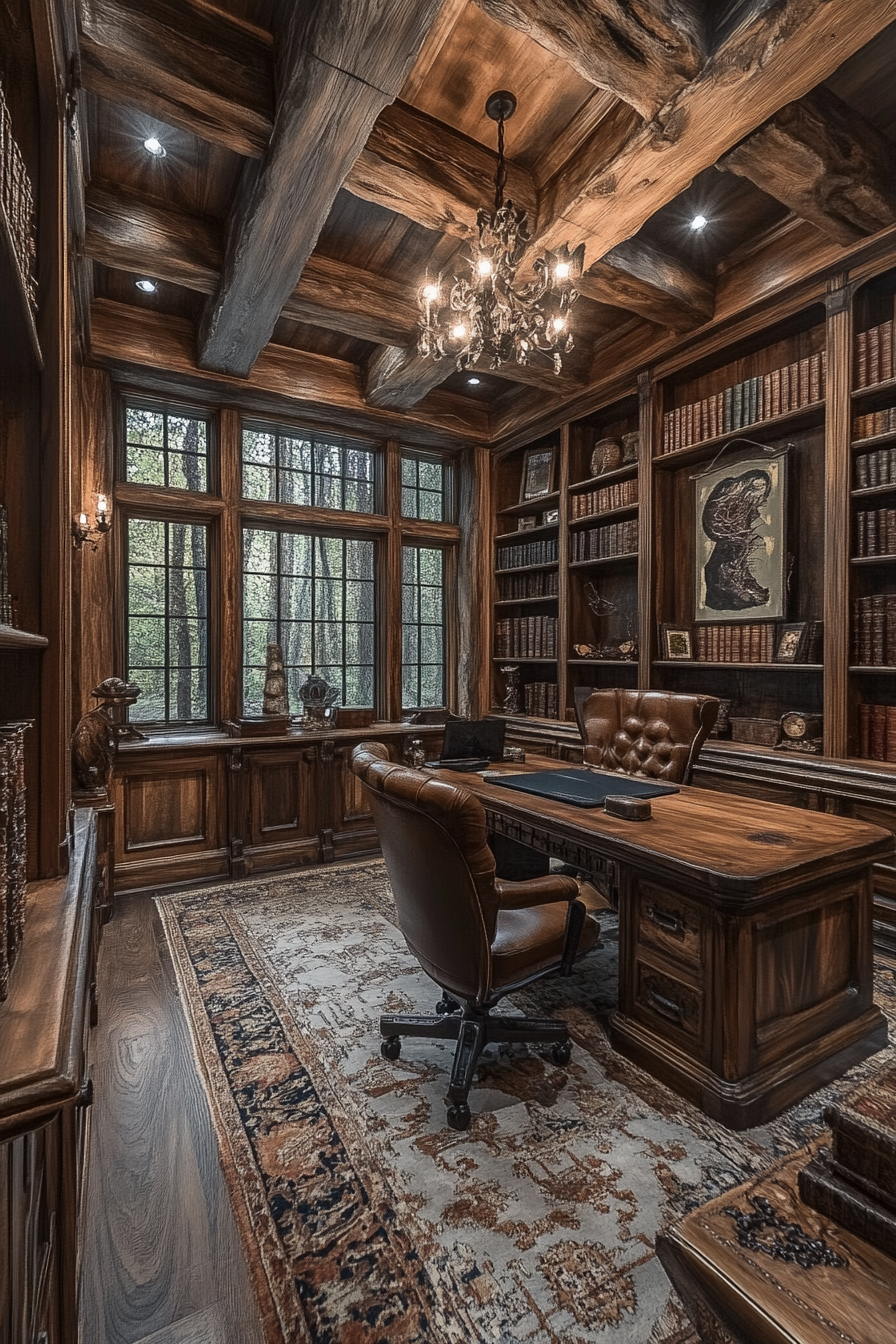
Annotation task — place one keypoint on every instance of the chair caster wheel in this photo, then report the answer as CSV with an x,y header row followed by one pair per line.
x,y
390,1048
561,1053
459,1116
446,1005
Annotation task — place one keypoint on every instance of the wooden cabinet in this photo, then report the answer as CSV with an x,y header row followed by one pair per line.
x,y
44,1098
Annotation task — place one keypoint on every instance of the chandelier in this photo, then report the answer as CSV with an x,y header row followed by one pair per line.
x,y
488,315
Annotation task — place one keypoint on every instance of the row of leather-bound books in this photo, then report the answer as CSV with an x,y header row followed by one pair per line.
x,y
877,468
876,532
518,587
602,543
762,397
753,642
540,699
526,637
619,495
877,732
518,555
874,631
874,423
874,355
12,847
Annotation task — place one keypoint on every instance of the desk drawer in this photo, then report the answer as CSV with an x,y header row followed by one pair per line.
x,y
667,1004
670,923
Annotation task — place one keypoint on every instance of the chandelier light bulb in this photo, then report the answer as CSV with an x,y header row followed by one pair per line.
x,y
154,147
484,266
459,332
430,292
558,324
561,270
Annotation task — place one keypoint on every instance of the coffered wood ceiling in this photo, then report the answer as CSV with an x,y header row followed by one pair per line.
x,y
322,157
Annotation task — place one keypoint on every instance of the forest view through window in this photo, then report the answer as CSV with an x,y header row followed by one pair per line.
x,y
314,596
166,447
423,627
167,620
292,467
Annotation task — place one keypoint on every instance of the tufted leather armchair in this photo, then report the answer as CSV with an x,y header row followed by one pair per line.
x,y
653,733
477,936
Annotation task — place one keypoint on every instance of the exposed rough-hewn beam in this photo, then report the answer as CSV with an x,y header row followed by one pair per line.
x,y
432,174
193,68
162,350
398,378
826,162
128,233
644,51
340,64
640,278
784,50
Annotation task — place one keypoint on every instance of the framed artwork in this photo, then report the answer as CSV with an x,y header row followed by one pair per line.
x,y
791,642
675,642
739,541
538,473
526,522
550,516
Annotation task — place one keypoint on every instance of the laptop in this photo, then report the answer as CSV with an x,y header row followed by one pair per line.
x,y
471,744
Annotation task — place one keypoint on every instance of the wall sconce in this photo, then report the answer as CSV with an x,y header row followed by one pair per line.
x,y
81,529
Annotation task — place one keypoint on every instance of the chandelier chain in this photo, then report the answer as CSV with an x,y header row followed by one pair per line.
x,y
501,173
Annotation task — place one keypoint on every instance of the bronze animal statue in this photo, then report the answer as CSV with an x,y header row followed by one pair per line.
x,y
95,740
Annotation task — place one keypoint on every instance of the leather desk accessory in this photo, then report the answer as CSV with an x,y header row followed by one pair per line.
x,y
630,809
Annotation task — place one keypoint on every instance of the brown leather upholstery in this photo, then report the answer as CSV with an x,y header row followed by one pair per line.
x,y
475,935
654,733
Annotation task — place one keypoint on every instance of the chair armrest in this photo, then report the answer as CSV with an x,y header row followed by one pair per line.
x,y
536,891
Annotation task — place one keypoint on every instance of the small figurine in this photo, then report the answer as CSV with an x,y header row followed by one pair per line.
x,y
512,702
276,698
414,754
318,707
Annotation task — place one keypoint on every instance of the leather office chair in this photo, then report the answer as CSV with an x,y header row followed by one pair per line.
x,y
478,937
654,733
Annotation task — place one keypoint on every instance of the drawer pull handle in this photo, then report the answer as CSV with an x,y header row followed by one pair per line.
x,y
663,920
667,1007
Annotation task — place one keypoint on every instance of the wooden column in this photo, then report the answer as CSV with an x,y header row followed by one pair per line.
x,y
94,596
474,585
227,556
390,682
649,425
838,420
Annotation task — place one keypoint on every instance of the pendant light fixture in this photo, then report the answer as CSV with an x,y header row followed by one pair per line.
x,y
488,315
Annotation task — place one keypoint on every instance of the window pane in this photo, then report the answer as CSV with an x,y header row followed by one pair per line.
x,y
423,482
423,627
166,448
301,469
167,620
322,619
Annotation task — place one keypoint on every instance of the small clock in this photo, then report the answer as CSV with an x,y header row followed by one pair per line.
x,y
796,725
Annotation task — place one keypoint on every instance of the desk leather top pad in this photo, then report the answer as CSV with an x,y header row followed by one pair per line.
x,y
584,788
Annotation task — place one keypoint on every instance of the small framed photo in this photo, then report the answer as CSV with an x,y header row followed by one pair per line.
x,y
550,516
526,522
675,641
538,473
791,642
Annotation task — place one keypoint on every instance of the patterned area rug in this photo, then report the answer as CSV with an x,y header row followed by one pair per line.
x,y
364,1217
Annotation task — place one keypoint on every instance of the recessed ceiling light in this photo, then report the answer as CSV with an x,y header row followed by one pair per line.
x,y
699,222
473,382
148,286
154,146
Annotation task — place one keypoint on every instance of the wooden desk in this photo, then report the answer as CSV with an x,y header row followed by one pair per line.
x,y
736,1293
745,937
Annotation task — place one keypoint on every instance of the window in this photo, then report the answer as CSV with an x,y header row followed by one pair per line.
x,y
291,467
423,627
167,620
166,447
315,597
423,488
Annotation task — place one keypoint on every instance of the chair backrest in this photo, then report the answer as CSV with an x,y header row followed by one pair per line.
x,y
653,733
440,867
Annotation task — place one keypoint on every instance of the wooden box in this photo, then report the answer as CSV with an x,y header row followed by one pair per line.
x,y
759,732
853,1208
863,1133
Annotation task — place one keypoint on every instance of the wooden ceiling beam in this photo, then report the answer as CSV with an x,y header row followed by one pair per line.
x,y
644,53
339,65
641,279
424,170
192,68
825,162
159,352
784,49
397,378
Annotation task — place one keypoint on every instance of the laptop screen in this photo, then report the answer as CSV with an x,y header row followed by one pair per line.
x,y
474,737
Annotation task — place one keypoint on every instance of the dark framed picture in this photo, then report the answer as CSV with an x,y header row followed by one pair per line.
x,y
526,522
550,516
740,550
675,642
538,473
790,644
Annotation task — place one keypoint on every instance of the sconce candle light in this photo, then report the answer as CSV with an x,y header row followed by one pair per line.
x,y
82,530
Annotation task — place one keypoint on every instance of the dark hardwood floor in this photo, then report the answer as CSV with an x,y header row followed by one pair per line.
x,y
162,1261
